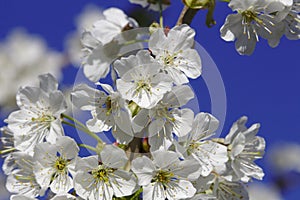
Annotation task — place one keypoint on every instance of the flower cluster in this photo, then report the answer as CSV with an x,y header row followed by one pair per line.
x,y
162,150
269,19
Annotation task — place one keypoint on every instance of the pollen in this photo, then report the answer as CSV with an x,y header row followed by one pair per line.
x,y
163,177
60,164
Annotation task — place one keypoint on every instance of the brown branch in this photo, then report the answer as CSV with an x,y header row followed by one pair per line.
x,y
186,16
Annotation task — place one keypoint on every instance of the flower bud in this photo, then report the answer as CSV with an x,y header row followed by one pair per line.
x,y
195,4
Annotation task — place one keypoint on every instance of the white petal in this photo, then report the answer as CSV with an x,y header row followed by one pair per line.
x,y
163,159
121,136
67,147
204,126
123,183
113,156
179,190
61,184
154,191
105,31
56,130
178,96
26,96
57,102
189,62
85,97
183,121
155,126
116,16
48,83
144,168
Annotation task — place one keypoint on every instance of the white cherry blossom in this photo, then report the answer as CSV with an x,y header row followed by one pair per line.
x,y
165,176
54,163
208,153
166,118
21,197
141,81
174,51
65,197
224,190
254,18
7,141
109,111
292,20
22,180
244,148
104,178
101,43
38,119
84,22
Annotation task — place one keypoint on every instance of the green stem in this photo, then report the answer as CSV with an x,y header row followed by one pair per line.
x,y
137,194
88,147
134,41
161,18
74,120
84,129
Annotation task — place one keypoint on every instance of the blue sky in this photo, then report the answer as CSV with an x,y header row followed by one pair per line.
x,y
264,86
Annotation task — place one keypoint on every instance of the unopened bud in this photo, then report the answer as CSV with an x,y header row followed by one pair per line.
x,y
196,4
153,27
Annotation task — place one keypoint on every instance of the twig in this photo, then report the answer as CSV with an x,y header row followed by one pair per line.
x,y
186,16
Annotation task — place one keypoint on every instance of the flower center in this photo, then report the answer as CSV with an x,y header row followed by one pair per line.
x,y
101,174
143,85
248,16
164,113
108,105
60,164
163,177
44,118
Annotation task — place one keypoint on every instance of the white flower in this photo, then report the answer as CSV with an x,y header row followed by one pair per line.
x,y
166,176
166,118
108,111
244,147
203,184
21,197
22,179
55,163
115,22
65,197
174,52
22,58
7,141
39,116
209,154
103,179
84,22
101,43
152,4
141,80
292,26
254,18
224,190
292,21
216,187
